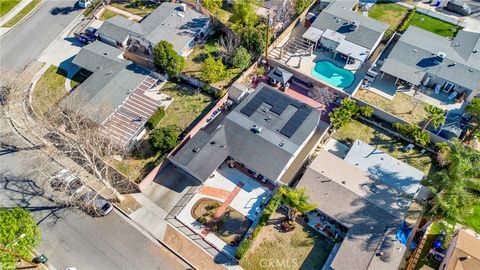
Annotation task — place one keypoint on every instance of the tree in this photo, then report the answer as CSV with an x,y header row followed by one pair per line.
x,y
341,116
242,58
435,115
230,44
301,6
213,70
366,111
243,13
413,132
212,5
253,39
473,109
322,95
164,139
296,201
167,59
19,235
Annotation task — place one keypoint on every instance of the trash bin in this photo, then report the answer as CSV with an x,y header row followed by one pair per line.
x,y
40,259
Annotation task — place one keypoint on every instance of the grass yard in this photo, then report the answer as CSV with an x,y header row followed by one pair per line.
x,y
49,90
434,25
107,14
473,220
140,10
382,141
20,15
302,248
389,13
400,106
7,5
435,230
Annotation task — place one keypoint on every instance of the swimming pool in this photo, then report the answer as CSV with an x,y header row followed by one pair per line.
x,y
333,74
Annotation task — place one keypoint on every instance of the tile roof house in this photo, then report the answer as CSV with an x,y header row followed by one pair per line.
x,y
115,94
424,58
340,29
372,206
265,133
463,253
173,22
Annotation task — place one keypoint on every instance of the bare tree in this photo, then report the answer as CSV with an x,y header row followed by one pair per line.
x,y
12,84
322,95
230,44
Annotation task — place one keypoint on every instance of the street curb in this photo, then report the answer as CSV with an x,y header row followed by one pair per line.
x,y
24,18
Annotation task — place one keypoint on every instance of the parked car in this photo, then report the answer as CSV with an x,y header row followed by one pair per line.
x,y
85,3
66,181
98,204
459,7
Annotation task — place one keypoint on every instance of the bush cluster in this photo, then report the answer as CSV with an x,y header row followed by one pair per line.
x,y
413,132
156,118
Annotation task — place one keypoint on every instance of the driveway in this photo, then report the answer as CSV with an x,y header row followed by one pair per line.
x,y
169,187
24,43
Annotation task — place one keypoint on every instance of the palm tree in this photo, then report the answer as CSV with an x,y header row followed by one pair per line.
x,y
473,109
435,115
296,201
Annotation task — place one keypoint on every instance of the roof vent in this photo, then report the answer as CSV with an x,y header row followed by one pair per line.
x,y
256,129
456,45
182,7
442,55
344,182
281,144
414,50
180,15
353,26
213,142
196,149
475,51
105,53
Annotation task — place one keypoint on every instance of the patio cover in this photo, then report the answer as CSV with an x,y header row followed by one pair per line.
x,y
313,34
280,75
332,35
403,71
352,50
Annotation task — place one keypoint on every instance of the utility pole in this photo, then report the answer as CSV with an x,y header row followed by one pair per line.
x,y
266,39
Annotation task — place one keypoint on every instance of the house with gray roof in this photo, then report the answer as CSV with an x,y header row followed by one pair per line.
x,y
174,22
115,95
264,133
426,60
346,33
368,195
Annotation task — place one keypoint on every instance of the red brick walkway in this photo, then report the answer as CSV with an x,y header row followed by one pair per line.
x,y
222,209
215,192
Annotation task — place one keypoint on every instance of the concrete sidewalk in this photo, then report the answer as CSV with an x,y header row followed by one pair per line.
x,y
7,17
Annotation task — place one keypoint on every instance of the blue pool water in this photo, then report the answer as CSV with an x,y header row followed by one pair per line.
x,y
332,74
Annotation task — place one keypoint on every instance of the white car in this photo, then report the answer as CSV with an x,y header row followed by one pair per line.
x,y
99,204
64,180
85,3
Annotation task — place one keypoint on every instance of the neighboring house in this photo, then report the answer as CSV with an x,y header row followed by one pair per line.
x,y
424,59
346,33
369,193
463,253
264,133
175,23
116,94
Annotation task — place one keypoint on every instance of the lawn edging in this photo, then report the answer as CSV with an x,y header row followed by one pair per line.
x,y
253,232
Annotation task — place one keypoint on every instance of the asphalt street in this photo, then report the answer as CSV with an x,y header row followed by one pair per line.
x,y
24,43
71,238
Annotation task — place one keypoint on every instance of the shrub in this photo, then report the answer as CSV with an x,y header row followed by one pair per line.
x,y
213,70
202,220
155,118
242,58
413,132
212,5
164,139
218,94
301,6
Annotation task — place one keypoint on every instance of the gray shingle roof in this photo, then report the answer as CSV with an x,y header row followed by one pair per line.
x,y
98,55
267,152
342,191
337,17
417,49
166,22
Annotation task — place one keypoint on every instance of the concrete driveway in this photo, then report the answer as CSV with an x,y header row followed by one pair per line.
x,y
169,187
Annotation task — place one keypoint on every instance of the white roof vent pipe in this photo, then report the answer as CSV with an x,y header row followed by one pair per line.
x,y
442,55
183,7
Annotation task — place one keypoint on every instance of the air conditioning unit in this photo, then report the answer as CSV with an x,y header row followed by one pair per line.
x,y
442,55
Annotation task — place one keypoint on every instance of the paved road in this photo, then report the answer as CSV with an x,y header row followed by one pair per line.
x,y
27,41
71,238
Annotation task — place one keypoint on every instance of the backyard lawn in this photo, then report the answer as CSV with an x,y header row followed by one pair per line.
x,y
434,25
49,90
22,13
302,248
7,5
382,141
435,230
473,220
389,13
400,106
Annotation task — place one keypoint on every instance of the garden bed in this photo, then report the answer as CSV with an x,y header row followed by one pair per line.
x,y
231,226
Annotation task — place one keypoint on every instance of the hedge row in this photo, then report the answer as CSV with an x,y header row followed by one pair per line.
x,y
413,132
155,118
269,210
406,21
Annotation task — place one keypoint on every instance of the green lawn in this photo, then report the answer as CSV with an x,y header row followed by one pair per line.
x,y
433,25
223,15
20,15
140,10
403,106
7,5
49,90
473,220
435,230
107,14
303,248
382,141
389,13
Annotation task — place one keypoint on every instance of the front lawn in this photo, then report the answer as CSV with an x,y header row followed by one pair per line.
x,y
7,5
403,105
137,10
49,90
433,25
384,142
22,13
302,248
389,13
107,14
